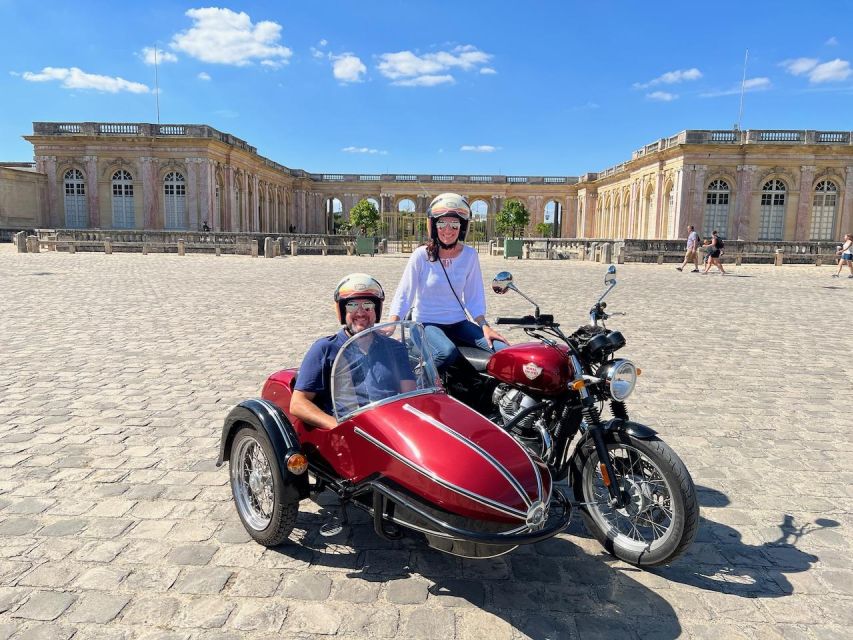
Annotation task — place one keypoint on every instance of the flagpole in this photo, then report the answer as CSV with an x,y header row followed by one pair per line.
x,y
742,88
156,85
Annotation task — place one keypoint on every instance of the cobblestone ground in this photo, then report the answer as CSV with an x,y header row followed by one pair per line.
x,y
117,371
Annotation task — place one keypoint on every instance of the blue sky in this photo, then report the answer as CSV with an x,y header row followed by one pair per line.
x,y
542,88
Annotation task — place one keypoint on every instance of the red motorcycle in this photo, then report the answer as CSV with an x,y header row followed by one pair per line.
x,y
635,494
413,458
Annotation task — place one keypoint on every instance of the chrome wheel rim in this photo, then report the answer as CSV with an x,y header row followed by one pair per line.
x,y
646,522
252,481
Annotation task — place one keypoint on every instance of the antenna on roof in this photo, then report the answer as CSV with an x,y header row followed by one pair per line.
x,y
742,89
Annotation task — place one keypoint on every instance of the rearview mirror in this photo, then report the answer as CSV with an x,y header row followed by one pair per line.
x,y
502,282
611,274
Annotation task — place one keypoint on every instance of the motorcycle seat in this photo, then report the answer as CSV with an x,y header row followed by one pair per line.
x,y
478,358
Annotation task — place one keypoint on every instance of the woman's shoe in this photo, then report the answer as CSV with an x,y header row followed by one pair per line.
x,y
834,275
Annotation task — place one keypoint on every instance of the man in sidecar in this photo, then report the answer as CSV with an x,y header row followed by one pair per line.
x,y
382,371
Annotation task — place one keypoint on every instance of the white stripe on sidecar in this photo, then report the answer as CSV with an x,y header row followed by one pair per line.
x,y
487,502
488,457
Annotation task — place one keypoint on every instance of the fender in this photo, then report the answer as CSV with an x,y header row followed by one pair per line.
x,y
264,415
635,429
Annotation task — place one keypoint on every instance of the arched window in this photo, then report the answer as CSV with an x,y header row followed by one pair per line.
x,y
771,224
649,212
174,200
217,206
374,202
479,209
76,209
123,217
406,206
824,205
716,209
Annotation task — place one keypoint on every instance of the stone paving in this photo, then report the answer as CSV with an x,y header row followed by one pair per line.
x,y
117,371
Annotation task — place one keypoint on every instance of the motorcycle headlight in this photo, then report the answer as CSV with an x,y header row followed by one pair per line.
x,y
620,377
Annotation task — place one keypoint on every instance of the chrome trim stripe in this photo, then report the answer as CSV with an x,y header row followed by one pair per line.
x,y
514,483
516,443
515,513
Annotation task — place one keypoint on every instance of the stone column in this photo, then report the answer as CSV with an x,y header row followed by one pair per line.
x,y
745,180
207,191
632,212
228,200
92,200
569,227
422,203
847,204
150,193
193,221
47,165
801,230
697,212
254,214
659,204
385,201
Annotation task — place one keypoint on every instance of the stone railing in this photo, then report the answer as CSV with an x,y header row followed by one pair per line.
x,y
735,251
195,241
442,178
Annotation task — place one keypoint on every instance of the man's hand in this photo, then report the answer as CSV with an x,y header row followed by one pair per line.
x,y
302,406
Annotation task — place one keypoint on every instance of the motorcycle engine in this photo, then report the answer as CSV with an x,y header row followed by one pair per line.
x,y
510,402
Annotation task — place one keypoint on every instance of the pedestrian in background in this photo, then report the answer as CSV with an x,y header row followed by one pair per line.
x,y
692,253
846,253
716,250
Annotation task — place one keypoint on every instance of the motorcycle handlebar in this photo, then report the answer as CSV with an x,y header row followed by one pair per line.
x,y
528,321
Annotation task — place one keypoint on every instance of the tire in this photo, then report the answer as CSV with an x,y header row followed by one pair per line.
x,y
266,510
645,533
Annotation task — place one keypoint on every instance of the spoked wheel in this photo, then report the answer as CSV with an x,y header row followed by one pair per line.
x,y
660,516
258,491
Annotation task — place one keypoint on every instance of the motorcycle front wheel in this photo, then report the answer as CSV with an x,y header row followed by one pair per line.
x,y
660,515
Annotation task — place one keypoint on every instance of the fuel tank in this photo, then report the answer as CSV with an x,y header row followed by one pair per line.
x,y
533,366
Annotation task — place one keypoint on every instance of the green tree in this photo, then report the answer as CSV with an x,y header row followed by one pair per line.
x,y
543,229
364,218
512,218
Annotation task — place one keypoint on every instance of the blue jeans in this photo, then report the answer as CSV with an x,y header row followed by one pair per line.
x,y
443,338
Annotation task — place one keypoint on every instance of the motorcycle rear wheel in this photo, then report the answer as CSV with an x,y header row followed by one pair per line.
x,y
258,489
660,520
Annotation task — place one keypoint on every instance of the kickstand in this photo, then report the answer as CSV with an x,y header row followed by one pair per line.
x,y
336,523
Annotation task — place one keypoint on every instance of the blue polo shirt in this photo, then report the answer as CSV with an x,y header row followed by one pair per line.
x,y
387,363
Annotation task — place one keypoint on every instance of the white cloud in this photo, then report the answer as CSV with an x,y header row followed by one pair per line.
x,y
316,53
478,148
661,96
799,66
425,81
671,77
223,36
488,71
750,84
147,55
348,68
832,42
367,150
74,78
203,76
832,71
408,69
323,42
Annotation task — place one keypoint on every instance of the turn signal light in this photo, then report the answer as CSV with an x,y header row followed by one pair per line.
x,y
577,385
297,464
639,371
604,475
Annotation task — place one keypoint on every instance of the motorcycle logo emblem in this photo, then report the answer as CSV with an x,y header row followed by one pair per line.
x,y
531,370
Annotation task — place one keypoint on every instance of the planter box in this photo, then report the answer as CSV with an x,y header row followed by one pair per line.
x,y
513,248
365,245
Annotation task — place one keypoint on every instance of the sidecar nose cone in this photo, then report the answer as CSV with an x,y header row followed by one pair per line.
x,y
536,515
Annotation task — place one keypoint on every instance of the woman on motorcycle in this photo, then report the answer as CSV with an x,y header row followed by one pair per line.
x,y
443,285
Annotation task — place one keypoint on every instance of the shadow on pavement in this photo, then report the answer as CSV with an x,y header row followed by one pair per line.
x,y
720,561
555,589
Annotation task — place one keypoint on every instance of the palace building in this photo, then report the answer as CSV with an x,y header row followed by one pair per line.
x,y
751,185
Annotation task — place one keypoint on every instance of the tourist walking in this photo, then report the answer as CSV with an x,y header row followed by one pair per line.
x,y
692,253
846,253
716,250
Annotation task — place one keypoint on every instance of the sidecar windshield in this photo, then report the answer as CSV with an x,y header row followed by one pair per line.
x,y
379,365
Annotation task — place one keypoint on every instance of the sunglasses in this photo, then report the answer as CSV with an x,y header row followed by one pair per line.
x,y
367,305
448,225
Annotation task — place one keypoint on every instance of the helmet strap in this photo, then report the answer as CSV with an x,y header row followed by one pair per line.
x,y
448,246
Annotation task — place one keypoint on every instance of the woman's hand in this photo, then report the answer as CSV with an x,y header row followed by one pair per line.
x,y
491,335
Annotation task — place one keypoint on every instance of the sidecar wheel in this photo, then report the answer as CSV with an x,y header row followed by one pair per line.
x,y
661,518
258,489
